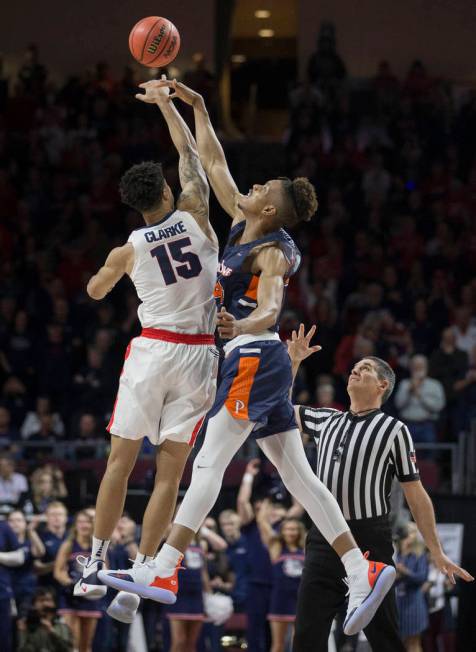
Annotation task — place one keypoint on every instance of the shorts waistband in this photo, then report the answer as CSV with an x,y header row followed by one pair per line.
x,y
242,340
177,338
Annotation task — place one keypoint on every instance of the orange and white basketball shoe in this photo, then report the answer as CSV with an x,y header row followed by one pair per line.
x,y
142,579
366,593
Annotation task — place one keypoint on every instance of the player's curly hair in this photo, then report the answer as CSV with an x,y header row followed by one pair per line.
x,y
141,187
302,200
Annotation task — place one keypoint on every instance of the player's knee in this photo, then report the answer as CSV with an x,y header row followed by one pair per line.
x,y
119,465
206,473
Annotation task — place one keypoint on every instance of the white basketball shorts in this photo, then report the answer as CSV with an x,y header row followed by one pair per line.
x,y
166,387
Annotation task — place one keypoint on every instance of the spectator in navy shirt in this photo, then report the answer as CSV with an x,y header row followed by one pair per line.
x,y
24,580
11,555
261,573
52,536
237,553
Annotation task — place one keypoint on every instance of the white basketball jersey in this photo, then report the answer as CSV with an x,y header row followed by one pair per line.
x,y
174,274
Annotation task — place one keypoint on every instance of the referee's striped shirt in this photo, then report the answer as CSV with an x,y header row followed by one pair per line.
x,y
358,457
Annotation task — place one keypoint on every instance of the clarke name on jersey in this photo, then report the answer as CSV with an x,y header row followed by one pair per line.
x,y
168,232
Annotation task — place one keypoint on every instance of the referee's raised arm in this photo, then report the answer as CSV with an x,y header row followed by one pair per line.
x,y
359,452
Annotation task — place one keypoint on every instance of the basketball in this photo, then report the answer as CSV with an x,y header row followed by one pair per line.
x,y
154,41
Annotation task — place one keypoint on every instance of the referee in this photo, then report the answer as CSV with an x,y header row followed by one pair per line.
x,y
358,454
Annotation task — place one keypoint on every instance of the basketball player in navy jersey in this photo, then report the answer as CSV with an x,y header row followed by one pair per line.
x,y
253,396
169,377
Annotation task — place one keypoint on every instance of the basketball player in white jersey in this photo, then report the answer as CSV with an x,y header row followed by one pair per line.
x,y
168,381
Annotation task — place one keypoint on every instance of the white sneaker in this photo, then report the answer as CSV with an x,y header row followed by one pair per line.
x,y
124,607
366,593
89,586
142,579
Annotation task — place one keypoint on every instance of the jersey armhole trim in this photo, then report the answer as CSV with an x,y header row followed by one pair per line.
x,y
136,258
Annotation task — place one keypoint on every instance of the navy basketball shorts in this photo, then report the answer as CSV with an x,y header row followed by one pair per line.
x,y
255,380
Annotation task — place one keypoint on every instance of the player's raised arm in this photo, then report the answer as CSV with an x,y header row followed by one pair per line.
x,y
119,262
210,150
195,191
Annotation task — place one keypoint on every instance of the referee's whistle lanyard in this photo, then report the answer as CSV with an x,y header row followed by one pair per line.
x,y
340,448
336,456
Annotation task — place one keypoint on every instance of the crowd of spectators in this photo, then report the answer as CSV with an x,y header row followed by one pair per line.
x,y
248,561
389,264
389,268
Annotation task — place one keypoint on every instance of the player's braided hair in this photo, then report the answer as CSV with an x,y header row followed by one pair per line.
x,y
141,187
303,199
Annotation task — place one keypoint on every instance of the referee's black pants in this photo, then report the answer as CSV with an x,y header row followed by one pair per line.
x,y
322,591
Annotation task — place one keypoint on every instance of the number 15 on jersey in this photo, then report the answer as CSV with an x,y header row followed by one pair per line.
x,y
189,267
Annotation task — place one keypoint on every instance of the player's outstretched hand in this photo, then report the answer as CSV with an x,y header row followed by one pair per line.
x,y
299,347
156,91
450,569
180,91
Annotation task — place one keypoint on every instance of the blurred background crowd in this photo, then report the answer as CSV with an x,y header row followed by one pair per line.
x,y
240,582
389,269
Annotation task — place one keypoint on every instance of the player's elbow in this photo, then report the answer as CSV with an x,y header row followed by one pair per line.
x,y
94,289
212,164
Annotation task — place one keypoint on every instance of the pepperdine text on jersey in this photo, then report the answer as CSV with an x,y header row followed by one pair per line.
x,y
224,270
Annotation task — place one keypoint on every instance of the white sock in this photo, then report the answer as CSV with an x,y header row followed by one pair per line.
x,y
354,562
141,559
166,560
99,549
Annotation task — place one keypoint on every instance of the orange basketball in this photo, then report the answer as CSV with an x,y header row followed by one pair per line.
x,y
154,41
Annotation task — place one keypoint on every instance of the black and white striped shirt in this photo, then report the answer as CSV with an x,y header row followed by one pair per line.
x,y
358,457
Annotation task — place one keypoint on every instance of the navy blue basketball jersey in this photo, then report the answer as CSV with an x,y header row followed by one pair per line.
x,y
236,289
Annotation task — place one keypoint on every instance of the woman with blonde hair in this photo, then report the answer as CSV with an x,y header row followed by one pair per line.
x,y
286,550
47,485
80,615
412,573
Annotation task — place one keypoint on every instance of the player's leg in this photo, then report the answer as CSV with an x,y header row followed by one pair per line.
x,y
184,408
134,416
109,507
171,460
223,438
286,452
170,463
368,582
113,489
187,376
